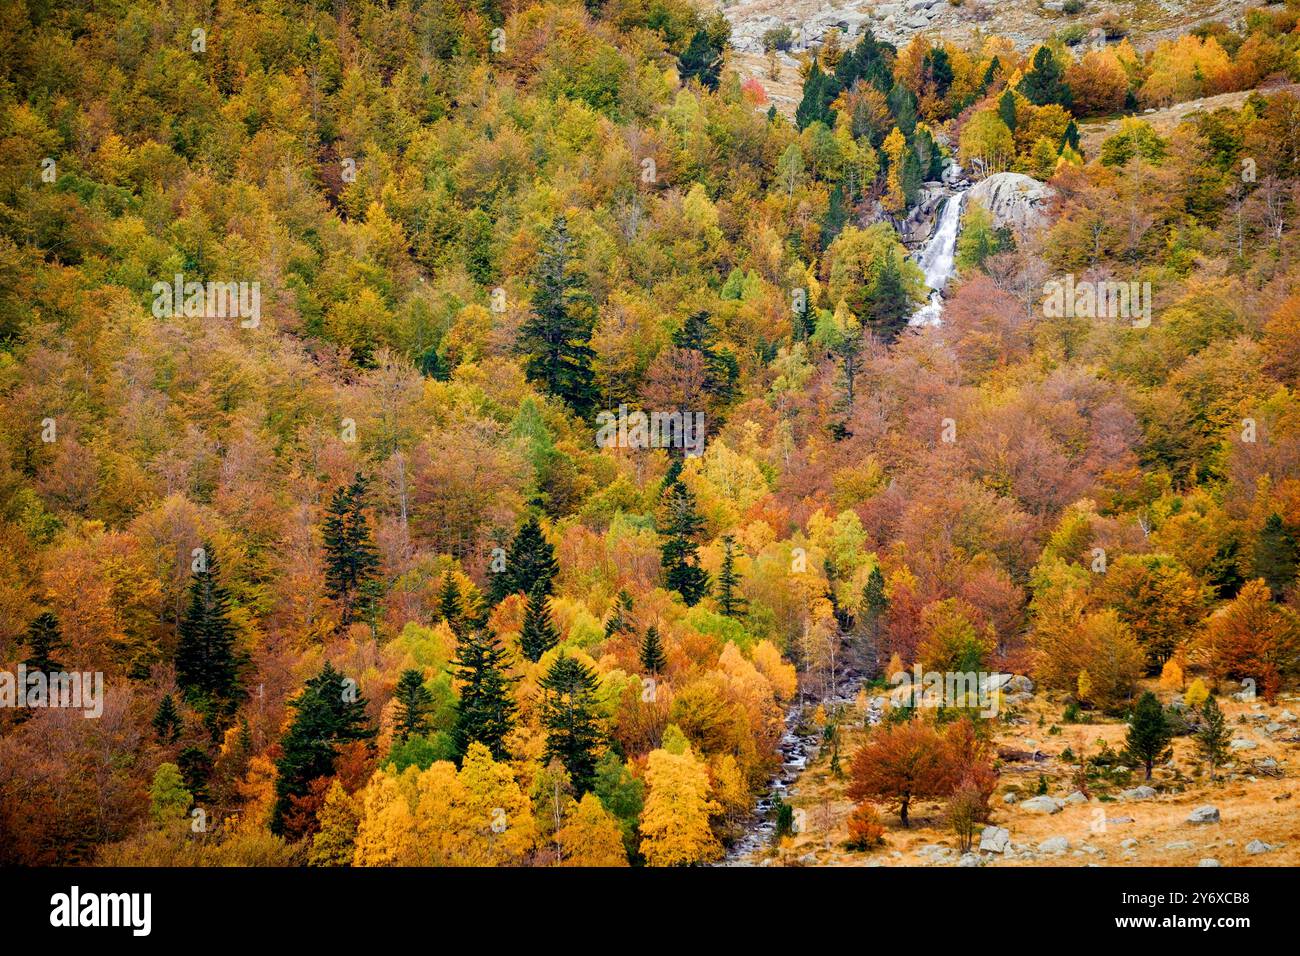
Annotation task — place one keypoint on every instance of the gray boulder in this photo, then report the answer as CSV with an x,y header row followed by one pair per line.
x,y
1013,200
1043,804
1058,844
994,840
1138,793
1256,847
1205,814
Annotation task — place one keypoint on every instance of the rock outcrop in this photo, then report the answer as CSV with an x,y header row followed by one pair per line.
x,y
1013,200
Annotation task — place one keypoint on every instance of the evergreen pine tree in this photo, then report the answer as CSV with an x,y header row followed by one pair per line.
x,y
701,60
730,602
653,658
871,612
721,370
530,563
351,559
818,92
329,711
486,711
207,665
1007,108
1045,82
1071,136
902,104
167,721
451,606
538,634
888,305
836,217
679,555
1149,735
574,735
413,705
620,621
44,637
1276,556
195,765
1213,737
557,334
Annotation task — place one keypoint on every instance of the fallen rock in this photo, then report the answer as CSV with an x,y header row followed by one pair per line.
x,y
1243,744
994,840
1256,847
1043,804
1138,793
970,859
1058,844
1009,798
1205,814
1076,798
1209,861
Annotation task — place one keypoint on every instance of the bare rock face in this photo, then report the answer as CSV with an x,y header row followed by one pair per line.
x,y
1014,200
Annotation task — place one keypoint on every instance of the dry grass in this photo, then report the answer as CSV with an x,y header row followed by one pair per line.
x,y
1264,808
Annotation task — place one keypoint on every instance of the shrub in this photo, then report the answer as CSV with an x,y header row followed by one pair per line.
x,y
866,831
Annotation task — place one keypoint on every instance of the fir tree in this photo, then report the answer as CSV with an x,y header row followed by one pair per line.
x,y
1148,734
530,563
167,721
1213,737
730,602
679,555
44,637
351,559
207,665
888,304
413,705
620,621
1007,109
652,655
819,90
329,711
1276,556
486,711
871,612
195,765
720,366
451,606
538,634
1045,82
902,104
701,60
574,735
557,335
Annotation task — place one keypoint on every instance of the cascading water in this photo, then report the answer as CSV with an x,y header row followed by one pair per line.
x,y
937,259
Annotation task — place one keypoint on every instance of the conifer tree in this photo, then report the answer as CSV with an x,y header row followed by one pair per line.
x,y
167,721
1007,108
413,705
730,602
1213,737
888,304
557,334
721,369
679,555
530,563
330,711
44,638
207,665
538,634
1149,735
1277,556
451,606
574,735
486,711
620,621
652,655
351,559
1045,82
701,60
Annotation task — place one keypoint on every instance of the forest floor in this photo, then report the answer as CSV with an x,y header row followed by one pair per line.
x,y
1107,830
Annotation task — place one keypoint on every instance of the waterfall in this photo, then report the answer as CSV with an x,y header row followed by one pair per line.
x,y
937,259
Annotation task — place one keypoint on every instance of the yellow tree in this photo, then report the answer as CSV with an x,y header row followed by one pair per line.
x,y
675,822
591,836
894,145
